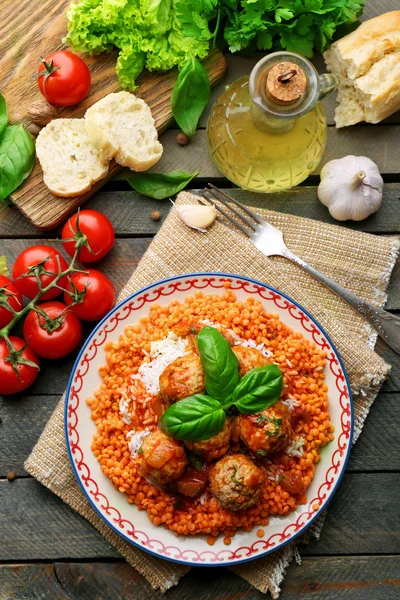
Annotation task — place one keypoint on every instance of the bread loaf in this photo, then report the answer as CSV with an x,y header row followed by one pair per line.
x,y
70,163
121,126
367,64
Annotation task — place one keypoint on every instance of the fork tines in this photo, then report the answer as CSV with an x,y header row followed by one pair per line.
x,y
212,194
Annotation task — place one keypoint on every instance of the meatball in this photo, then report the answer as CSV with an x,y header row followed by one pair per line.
x,y
266,432
215,446
236,482
249,358
182,378
163,459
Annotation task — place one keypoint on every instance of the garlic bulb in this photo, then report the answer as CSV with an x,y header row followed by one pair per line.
x,y
197,216
351,188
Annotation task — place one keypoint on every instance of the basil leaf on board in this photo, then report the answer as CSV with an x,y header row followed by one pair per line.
x,y
17,157
196,418
190,95
160,185
220,364
258,389
3,115
3,266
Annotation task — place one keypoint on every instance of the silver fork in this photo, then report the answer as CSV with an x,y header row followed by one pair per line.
x,y
269,240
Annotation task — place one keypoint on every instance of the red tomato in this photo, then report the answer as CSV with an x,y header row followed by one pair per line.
x,y
13,297
32,256
192,483
10,382
293,483
63,78
55,338
95,231
99,298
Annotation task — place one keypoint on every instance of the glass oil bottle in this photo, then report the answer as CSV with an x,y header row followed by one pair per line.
x,y
268,132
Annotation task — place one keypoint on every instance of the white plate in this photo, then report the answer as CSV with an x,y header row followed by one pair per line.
x,y
133,525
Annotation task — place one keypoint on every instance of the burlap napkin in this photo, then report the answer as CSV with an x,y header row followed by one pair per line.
x,y
359,261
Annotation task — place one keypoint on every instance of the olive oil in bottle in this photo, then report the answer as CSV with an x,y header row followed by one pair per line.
x,y
268,132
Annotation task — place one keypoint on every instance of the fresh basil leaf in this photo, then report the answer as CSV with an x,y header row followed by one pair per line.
x,y
160,185
196,418
17,157
220,364
190,95
3,266
3,115
258,389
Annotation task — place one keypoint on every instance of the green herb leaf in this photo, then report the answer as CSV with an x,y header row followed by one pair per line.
x,y
3,115
160,185
220,364
3,266
258,389
196,418
190,95
17,157
195,461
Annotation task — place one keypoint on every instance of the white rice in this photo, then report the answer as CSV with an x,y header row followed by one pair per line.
x,y
124,409
291,402
252,344
162,354
295,447
135,440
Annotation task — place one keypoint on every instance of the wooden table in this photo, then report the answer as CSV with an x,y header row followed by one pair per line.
x,y
47,551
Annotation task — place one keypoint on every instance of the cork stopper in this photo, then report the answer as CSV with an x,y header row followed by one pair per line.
x,y
286,83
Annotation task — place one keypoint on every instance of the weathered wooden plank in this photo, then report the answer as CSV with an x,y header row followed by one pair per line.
x,y
130,211
41,525
325,578
375,450
362,519
379,142
392,383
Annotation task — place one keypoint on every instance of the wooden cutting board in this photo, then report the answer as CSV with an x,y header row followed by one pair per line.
x,y
37,32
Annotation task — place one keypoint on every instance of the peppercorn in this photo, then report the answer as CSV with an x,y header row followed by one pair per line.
x,y
182,139
155,215
11,475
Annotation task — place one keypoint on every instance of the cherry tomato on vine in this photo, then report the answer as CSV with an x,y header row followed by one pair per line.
x,y
10,382
92,231
63,78
55,335
13,296
99,297
31,257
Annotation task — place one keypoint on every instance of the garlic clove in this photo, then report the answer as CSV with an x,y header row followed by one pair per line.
x,y
197,216
351,188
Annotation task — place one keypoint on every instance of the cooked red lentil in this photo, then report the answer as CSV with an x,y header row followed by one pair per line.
x,y
288,474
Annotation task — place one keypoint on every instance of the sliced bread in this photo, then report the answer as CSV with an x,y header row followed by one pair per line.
x,y
367,64
122,127
70,163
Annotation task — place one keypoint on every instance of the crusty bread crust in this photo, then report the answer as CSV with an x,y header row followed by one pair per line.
x,y
121,126
367,64
71,165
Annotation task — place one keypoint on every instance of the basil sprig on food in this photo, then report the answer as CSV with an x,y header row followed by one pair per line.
x,y
202,416
258,389
195,418
220,364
